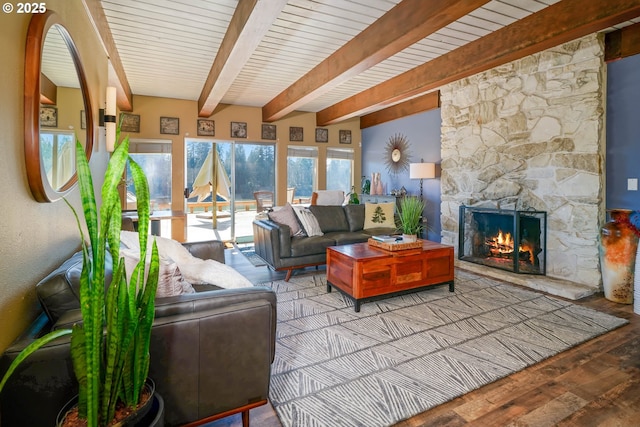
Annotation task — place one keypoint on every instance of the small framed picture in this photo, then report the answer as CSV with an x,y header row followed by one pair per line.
x,y
170,125
322,135
129,122
269,132
206,127
238,129
296,133
83,120
345,137
49,116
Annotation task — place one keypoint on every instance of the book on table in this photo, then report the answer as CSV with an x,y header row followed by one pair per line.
x,y
386,238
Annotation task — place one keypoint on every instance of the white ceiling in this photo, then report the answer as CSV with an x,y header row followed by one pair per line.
x,y
167,47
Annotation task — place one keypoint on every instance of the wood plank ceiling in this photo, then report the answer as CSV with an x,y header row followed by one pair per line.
x,y
370,58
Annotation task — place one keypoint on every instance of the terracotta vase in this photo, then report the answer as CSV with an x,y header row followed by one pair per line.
x,y
618,247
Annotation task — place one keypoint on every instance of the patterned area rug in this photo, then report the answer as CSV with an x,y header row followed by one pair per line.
x,y
404,355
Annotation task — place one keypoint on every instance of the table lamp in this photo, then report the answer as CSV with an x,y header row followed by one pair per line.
x,y
422,171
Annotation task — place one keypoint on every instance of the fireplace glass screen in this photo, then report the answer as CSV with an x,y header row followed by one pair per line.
x,y
505,239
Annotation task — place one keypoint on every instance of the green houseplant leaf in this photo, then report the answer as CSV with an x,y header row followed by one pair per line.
x,y
410,215
110,348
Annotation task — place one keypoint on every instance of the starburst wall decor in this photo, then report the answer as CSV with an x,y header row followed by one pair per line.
x,y
397,154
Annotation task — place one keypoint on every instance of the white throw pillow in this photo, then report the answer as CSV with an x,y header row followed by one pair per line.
x,y
379,215
309,221
193,269
170,280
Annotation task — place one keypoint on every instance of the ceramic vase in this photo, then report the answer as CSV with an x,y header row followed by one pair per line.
x,y
375,177
618,247
380,187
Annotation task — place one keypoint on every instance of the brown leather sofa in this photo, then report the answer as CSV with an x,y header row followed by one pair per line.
x,y
341,225
211,352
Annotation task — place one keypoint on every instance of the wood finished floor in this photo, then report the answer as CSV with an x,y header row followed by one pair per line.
x,y
594,384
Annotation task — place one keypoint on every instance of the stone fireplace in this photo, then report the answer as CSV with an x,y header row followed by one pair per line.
x,y
529,136
514,241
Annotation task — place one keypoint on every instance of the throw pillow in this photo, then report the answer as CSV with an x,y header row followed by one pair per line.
x,y
170,280
194,269
309,222
379,215
285,215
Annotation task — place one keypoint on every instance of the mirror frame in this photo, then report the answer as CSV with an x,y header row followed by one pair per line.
x,y
36,175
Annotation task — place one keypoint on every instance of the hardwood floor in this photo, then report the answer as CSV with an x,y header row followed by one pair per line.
x,y
593,384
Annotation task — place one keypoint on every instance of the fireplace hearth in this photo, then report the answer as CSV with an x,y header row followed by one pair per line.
x,y
506,239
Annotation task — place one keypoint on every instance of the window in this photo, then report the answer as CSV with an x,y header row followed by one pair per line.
x,y
302,167
58,146
155,160
339,169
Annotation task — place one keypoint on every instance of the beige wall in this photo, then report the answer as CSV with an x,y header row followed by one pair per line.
x,y
151,109
36,237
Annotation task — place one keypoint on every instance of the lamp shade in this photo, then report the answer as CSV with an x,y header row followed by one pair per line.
x,y
422,170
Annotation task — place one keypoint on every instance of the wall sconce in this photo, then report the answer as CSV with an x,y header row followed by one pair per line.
x,y
422,171
110,118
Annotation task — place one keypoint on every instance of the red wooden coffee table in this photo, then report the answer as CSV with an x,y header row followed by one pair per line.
x,y
364,272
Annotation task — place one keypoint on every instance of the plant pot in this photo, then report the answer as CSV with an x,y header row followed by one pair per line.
x,y
150,414
618,246
409,238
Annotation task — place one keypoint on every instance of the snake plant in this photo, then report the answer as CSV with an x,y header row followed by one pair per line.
x,y
110,348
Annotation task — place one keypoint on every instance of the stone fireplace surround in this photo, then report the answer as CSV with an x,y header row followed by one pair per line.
x,y
530,134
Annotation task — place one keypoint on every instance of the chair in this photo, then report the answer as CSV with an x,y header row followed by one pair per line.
x,y
291,194
264,200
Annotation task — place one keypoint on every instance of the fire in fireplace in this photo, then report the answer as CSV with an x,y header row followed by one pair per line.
x,y
505,239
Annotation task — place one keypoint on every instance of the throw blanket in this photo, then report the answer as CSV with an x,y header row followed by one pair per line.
x,y
193,269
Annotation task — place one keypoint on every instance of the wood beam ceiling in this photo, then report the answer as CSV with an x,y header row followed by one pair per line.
x,y
622,43
250,22
556,24
407,23
117,76
427,102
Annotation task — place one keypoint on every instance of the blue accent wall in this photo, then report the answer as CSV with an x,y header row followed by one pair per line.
x,y
423,133
623,132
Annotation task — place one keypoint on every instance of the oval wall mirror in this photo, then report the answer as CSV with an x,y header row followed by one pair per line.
x,y
57,108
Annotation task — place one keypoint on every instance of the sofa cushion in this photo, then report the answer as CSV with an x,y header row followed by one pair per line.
x,y
330,218
309,222
355,217
286,215
59,292
304,246
347,237
379,215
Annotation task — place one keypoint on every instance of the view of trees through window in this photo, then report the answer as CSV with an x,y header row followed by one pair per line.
x,y
254,165
302,163
155,160
339,169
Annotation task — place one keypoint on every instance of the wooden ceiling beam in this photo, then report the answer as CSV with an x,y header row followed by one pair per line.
x,y
405,24
427,102
556,24
118,77
622,43
250,22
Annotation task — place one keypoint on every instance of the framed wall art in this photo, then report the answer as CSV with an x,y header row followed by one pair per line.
x,y
49,116
322,135
238,129
296,133
345,137
130,122
206,127
269,132
170,125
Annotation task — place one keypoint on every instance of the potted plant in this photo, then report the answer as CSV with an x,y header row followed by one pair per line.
x,y
110,348
409,218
